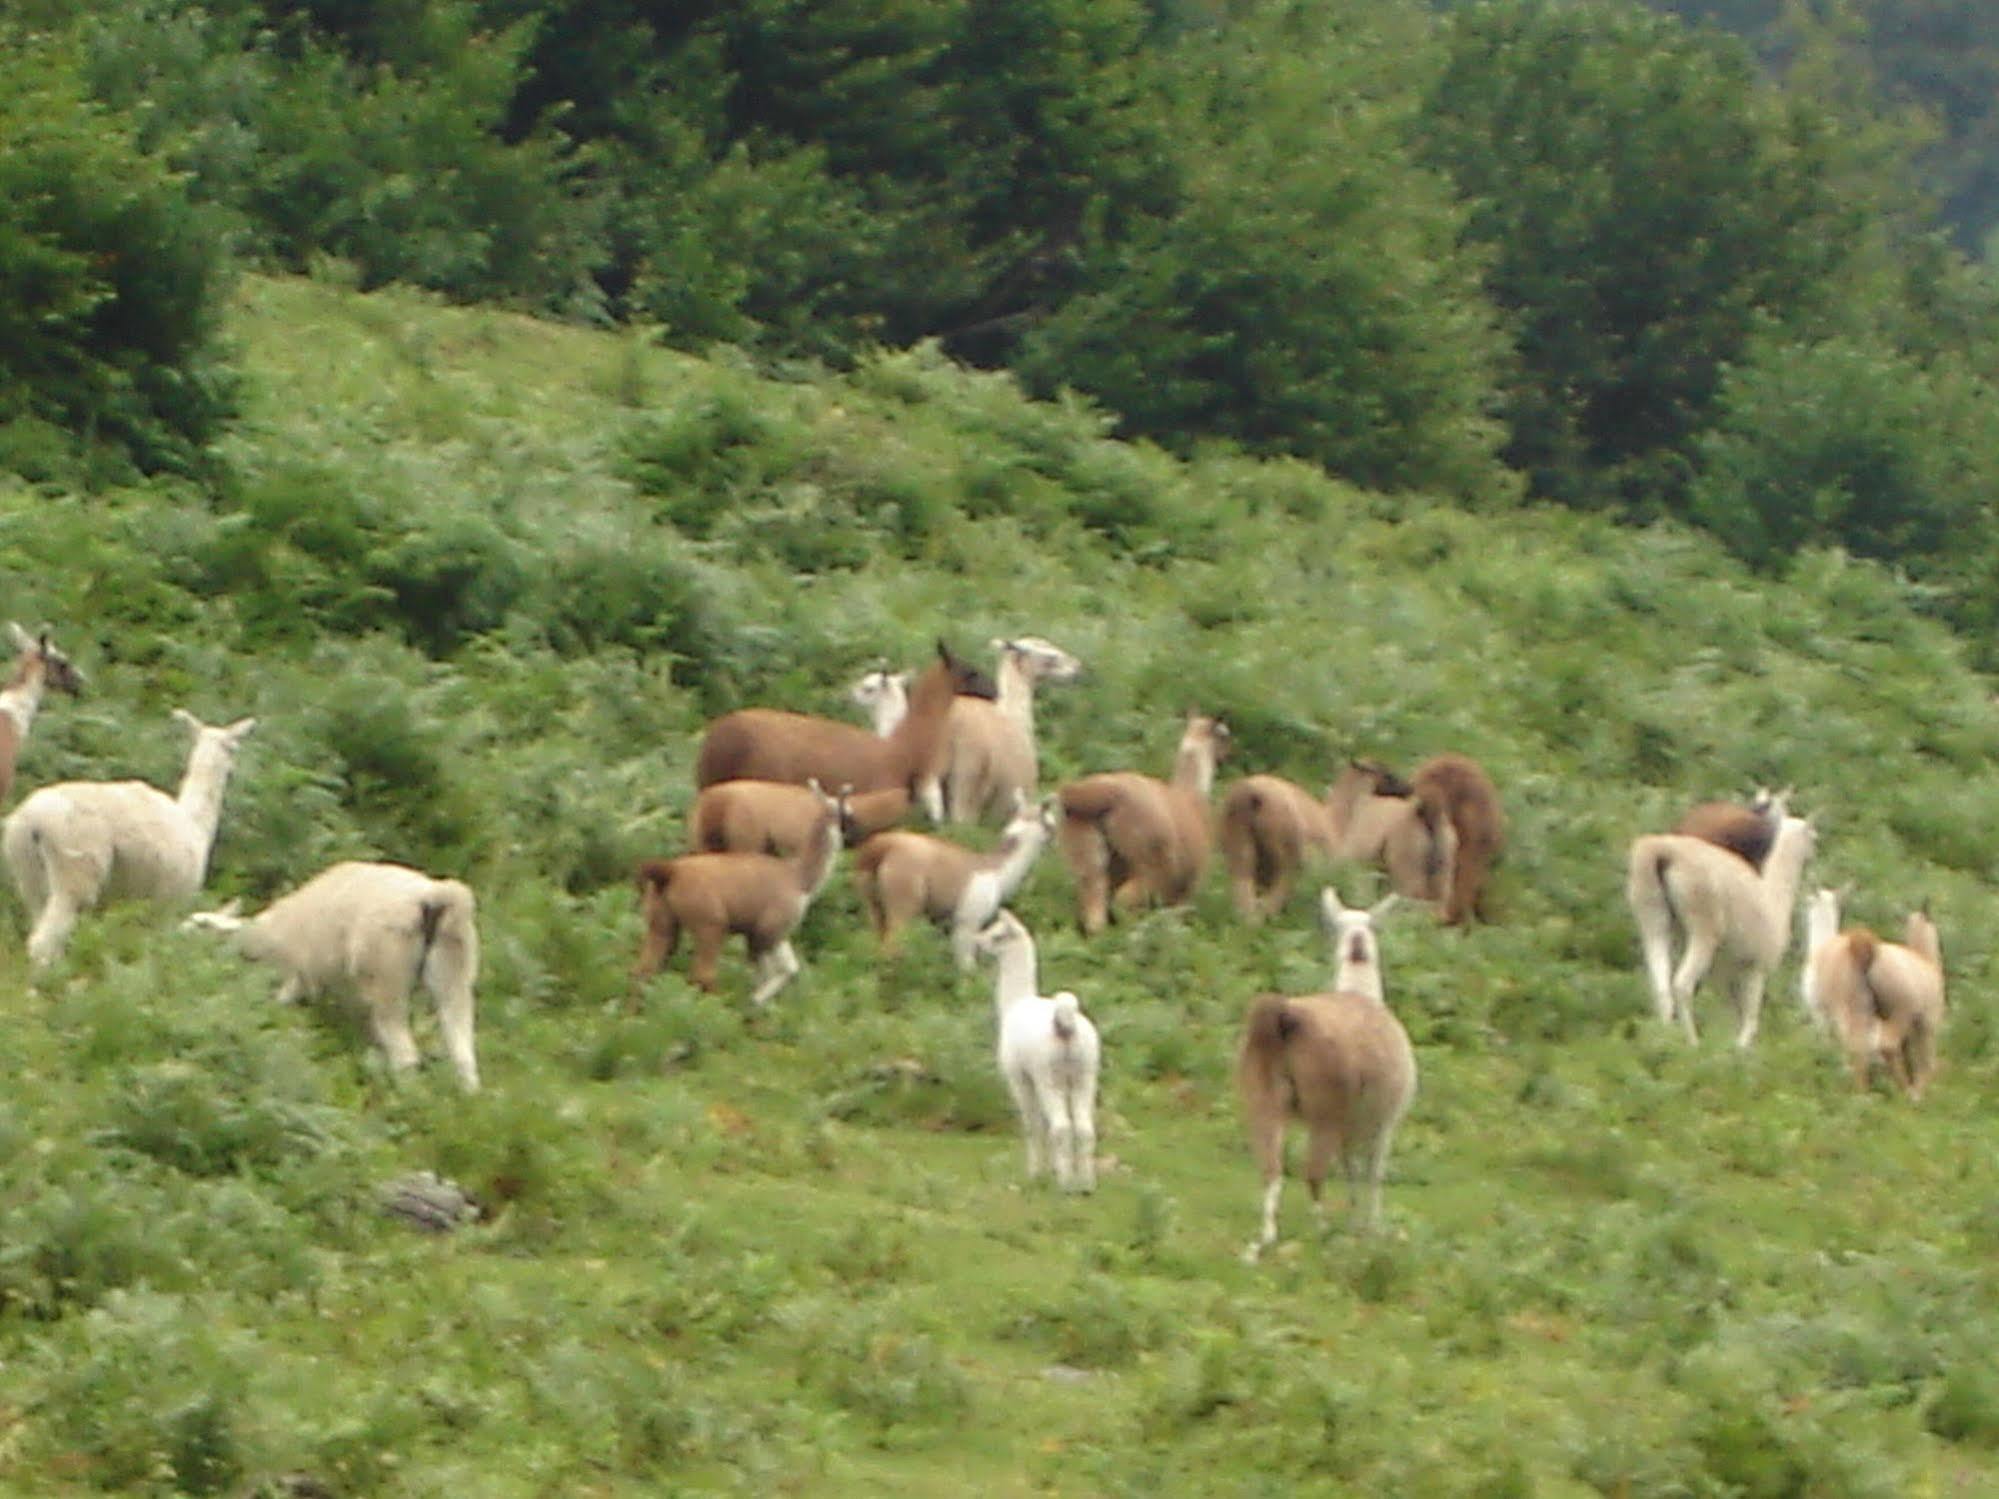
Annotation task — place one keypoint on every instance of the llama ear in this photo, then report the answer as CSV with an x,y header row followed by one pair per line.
x,y
22,639
240,729
188,720
1383,906
1330,908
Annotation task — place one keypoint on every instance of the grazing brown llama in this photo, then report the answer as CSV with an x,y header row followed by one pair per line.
x,y
1131,838
1455,789
38,667
753,896
1271,827
768,744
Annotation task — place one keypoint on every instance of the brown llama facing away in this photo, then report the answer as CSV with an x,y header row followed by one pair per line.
x,y
1130,839
768,744
1271,827
1455,789
1339,1062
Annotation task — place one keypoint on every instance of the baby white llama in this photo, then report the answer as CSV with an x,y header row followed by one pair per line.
x,y
1048,1056
378,929
1340,1062
78,844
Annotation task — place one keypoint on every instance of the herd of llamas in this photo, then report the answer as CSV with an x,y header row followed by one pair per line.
x,y
779,795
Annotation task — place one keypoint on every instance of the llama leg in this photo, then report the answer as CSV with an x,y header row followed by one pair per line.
x,y
1320,1148
1374,1166
662,937
1694,964
707,957
1749,1004
389,1019
1248,900
780,966
291,991
1267,1145
1032,1128
964,927
1083,1119
1655,940
1061,1130
449,979
51,930
1919,1059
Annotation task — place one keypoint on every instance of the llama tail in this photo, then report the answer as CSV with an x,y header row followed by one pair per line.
x,y
1067,1008
1865,947
1267,1033
653,876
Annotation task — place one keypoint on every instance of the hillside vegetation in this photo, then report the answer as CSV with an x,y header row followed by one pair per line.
x,y
482,579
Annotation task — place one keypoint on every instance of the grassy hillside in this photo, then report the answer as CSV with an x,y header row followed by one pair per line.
x,y
482,580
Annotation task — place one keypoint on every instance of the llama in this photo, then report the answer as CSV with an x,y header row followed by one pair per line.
x,y
990,747
76,844
1728,913
38,667
777,818
1455,789
1129,838
758,897
379,929
1048,1056
1340,1062
905,875
767,744
884,695
1744,830
1882,1001
1271,826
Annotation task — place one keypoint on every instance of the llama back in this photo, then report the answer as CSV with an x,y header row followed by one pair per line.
x,y
135,835
769,744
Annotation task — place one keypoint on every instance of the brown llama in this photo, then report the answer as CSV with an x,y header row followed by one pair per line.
x,y
1455,790
1131,838
769,744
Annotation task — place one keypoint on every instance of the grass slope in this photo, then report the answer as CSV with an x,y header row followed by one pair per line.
x,y
483,579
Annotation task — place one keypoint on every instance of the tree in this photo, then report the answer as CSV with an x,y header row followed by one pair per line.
x,y
110,278
1305,294
1648,202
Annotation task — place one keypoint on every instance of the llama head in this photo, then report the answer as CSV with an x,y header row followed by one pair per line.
x,y
1040,660
1003,932
58,674
1351,928
966,679
226,918
879,686
1208,733
1386,781
214,748
1030,821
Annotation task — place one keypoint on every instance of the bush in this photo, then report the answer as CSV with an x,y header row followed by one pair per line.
x,y
110,280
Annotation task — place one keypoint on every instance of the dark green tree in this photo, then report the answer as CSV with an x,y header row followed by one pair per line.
x,y
110,279
1647,200
1306,293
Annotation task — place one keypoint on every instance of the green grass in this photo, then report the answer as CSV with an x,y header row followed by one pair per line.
x,y
482,579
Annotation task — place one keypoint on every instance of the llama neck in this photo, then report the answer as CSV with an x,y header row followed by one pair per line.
x,y
1821,924
918,741
1785,867
1016,693
1919,935
1014,857
200,795
1016,979
815,861
23,695
1194,768
1343,799
890,707
1362,978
